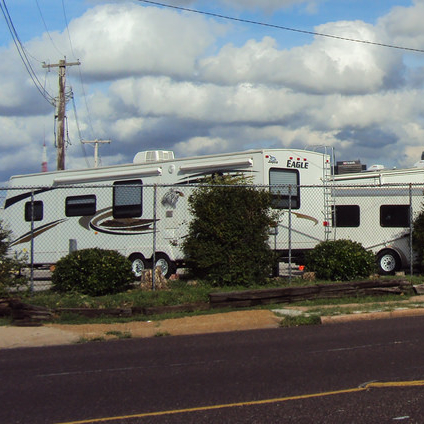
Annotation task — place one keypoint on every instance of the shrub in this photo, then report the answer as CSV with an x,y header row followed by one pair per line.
x,y
10,265
340,260
418,238
95,272
227,241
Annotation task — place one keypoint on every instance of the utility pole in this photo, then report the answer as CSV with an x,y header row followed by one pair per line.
x,y
96,149
61,110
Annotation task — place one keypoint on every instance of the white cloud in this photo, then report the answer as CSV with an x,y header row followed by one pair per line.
x,y
201,146
119,40
403,25
327,65
267,5
154,80
152,96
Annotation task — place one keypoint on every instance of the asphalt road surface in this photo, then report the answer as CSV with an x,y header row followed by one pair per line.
x,y
359,372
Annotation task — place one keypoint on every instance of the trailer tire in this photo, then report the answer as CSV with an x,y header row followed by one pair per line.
x,y
168,267
138,264
388,262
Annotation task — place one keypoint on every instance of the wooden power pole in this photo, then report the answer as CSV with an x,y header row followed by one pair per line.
x,y
61,110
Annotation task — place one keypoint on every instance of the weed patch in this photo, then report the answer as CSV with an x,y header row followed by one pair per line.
x,y
295,321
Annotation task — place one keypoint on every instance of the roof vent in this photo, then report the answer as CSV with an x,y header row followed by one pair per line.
x,y
375,167
150,156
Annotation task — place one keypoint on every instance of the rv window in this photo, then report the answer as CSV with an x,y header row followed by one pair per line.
x,y
394,215
37,212
127,199
284,187
80,205
345,216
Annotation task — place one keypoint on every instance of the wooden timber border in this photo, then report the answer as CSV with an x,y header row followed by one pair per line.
x,y
257,297
26,315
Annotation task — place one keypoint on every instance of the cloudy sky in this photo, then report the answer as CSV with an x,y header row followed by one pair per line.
x,y
154,77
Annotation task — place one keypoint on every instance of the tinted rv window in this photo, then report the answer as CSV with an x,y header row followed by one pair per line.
x,y
394,215
127,199
346,216
284,187
38,211
80,205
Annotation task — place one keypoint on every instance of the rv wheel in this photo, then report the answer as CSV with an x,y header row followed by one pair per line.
x,y
168,267
388,262
139,264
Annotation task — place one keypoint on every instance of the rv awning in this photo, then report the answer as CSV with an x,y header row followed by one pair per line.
x,y
102,176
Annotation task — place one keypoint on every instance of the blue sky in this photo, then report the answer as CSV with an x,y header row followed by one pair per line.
x,y
153,77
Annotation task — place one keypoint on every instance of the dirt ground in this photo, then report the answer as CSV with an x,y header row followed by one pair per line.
x,y
200,324
58,334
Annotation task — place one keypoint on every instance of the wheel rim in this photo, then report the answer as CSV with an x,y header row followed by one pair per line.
x,y
163,264
387,263
138,267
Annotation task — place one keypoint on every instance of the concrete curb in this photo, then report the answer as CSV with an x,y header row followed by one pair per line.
x,y
398,313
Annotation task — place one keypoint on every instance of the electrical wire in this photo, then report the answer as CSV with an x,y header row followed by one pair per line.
x,y
47,30
84,95
79,132
23,54
248,21
67,28
81,81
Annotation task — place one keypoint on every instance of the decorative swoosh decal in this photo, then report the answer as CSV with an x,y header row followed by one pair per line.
x,y
15,199
37,231
103,222
303,216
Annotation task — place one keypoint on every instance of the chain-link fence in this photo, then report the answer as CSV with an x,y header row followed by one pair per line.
x,y
148,223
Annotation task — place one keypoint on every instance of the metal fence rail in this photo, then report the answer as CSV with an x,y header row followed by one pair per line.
x,y
147,223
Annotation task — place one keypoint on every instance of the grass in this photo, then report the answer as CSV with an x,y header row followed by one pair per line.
x,y
300,320
181,292
5,321
119,334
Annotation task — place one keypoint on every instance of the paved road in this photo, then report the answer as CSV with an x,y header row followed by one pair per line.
x,y
245,377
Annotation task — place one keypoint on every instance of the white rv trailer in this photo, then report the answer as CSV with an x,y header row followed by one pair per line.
x,y
112,207
374,209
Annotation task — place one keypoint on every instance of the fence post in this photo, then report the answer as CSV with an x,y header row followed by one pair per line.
x,y
290,235
73,245
411,225
154,237
32,245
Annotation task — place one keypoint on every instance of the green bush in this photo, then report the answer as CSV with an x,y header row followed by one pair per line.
x,y
95,272
227,242
340,260
10,265
418,238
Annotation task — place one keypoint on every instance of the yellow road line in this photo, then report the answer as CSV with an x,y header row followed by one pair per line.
x,y
368,386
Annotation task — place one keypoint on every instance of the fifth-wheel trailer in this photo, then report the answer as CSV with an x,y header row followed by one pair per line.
x,y
112,207
376,208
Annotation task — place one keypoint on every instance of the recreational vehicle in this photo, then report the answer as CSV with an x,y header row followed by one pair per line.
x,y
376,208
141,210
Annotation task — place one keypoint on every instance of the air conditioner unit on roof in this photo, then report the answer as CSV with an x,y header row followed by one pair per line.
x,y
153,156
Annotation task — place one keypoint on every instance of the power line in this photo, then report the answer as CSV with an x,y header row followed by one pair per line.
x,y
23,54
79,132
80,76
248,21
47,30
67,28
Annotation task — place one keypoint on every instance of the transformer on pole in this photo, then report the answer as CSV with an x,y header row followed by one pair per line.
x,y
61,110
